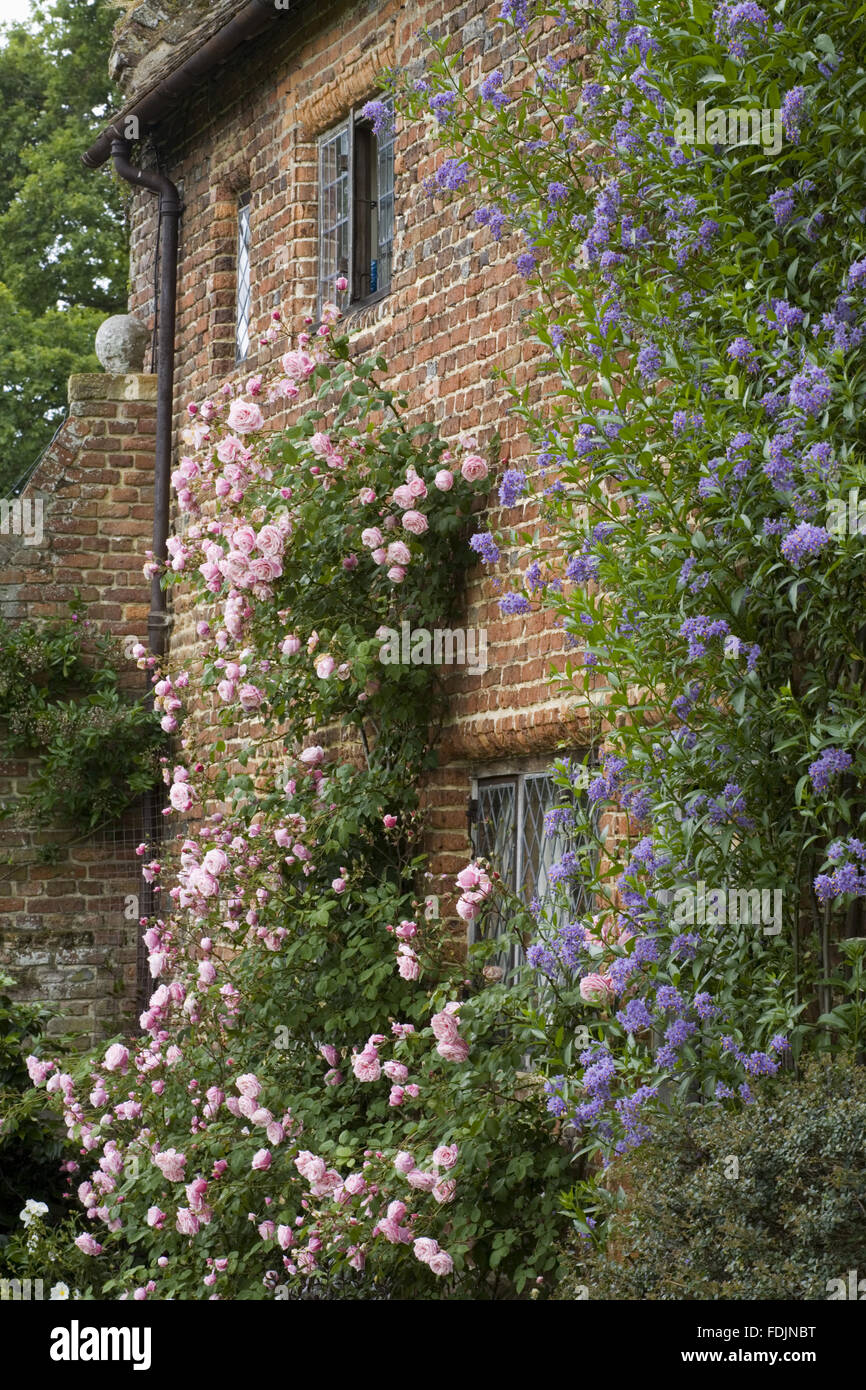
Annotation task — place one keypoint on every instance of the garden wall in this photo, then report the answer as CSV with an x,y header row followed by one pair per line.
x,y
68,904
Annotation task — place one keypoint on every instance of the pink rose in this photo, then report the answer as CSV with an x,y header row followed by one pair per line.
x,y
596,989
155,1217
456,1051
243,539
417,486
445,1156
270,541
415,522
321,444
244,416
468,877
408,965
445,1027
261,1160
290,645
441,1263
424,1182
298,365
444,1191
330,1054
396,574
389,822
444,480
367,496
403,497
404,1162
366,1065
187,1222
474,468
313,755
399,553
171,1164
372,537
87,1245
180,795
116,1058
250,697
425,1248
324,667
249,1085
229,449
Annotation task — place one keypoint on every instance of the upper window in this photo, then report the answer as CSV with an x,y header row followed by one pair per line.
x,y
243,292
514,829
356,208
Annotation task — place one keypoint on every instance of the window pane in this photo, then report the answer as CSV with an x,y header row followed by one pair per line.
x,y
243,291
513,834
334,227
496,840
385,200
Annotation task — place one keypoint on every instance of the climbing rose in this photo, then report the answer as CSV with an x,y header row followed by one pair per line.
x,y
244,416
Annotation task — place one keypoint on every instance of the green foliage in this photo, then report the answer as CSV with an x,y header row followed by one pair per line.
x,y
765,1204
61,695
701,313
31,1139
63,263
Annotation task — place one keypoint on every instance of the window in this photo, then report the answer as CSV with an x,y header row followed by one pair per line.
x,y
242,291
509,814
356,208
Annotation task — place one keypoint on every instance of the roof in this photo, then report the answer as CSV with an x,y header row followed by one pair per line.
x,y
152,40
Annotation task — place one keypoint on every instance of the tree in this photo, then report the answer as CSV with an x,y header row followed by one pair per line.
x,y
63,260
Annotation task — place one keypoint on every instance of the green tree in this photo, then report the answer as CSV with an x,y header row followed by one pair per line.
x,y
63,258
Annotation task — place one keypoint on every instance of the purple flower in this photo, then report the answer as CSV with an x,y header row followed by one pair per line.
x,y
803,543
525,263
811,390
513,485
830,763
381,113
557,193
792,112
649,362
442,106
740,350
448,177
490,90
485,546
513,604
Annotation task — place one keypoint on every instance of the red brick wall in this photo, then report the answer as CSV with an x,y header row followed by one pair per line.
x,y
68,930
453,313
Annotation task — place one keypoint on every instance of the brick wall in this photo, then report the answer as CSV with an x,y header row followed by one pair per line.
x,y
68,930
453,313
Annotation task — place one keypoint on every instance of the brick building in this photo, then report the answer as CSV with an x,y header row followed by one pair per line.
x,y
252,110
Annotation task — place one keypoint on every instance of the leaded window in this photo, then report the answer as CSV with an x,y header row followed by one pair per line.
x,y
356,208
243,293
511,830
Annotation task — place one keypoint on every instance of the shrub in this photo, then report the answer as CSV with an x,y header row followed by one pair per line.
x,y
764,1204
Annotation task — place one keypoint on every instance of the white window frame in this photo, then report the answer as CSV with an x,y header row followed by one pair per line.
x,y
243,278
324,288
518,773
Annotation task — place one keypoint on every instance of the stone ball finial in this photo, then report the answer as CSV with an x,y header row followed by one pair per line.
x,y
120,344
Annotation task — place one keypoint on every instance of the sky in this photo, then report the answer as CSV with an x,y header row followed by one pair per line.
x,y
13,9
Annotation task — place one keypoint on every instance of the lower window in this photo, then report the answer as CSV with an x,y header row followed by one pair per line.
x,y
513,828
